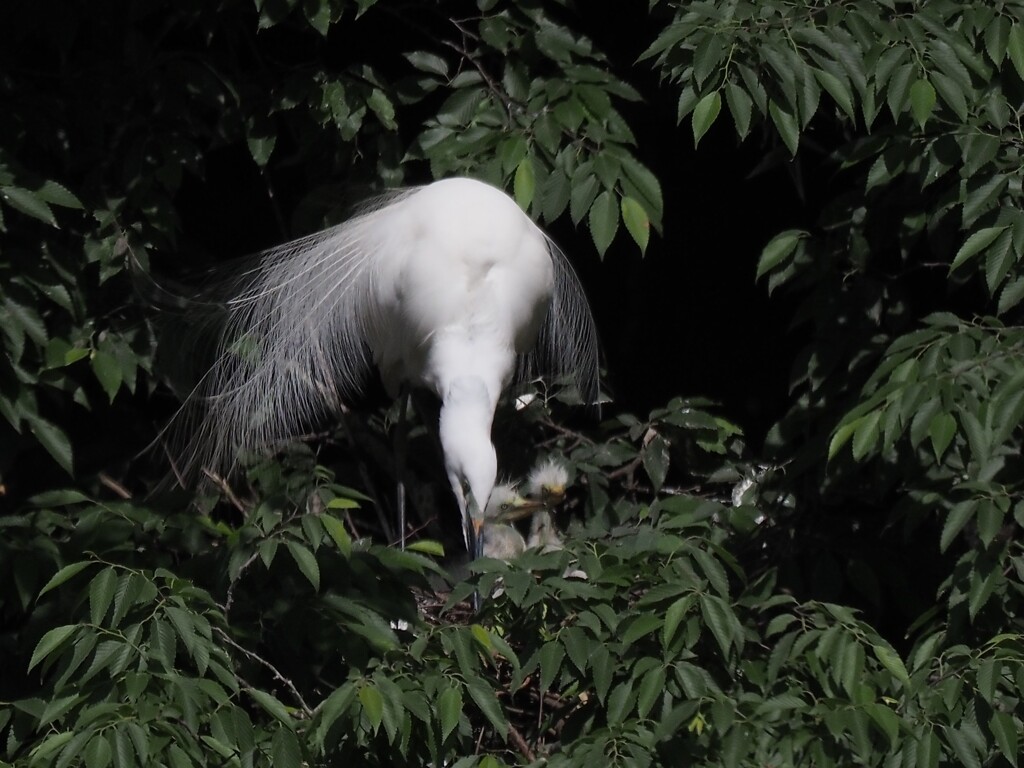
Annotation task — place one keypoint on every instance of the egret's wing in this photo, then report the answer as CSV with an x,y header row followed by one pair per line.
x,y
567,344
293,343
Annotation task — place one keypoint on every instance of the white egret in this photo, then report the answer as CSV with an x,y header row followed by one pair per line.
x,y
449,287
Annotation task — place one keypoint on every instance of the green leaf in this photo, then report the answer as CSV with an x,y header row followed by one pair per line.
x,y
638,224
716,614
652,686
285,751
865,437
837,89
941,431
271,705
1015,47
426,547
955,521
922,101
382,108
373,705
28,203
50,642
787,126
108,372
604,221
551,656
525,183
779,248
975,244
892,662
449,709
53,439
63,575
306,561
673,616
339,535
101,593
704,114
98,752
483,695
261,148
1005,731
740,106
58,194
655,457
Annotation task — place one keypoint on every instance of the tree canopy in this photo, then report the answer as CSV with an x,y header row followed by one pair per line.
x,y
799,515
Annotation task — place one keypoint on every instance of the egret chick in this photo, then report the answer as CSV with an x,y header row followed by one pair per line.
x,y
450,287
500,539
547,481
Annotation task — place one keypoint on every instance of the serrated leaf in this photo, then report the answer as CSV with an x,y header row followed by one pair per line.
x,y
1015,47
271,705
787,126
484,697
922,101
604,221
54,440
28,203
339,535
892,662
49,643
975,244
285,751
865,437
704,114
941,430
58,194
655,458
108,372
101,593
64,574
1005,731
673,616
779,248
637,222
261,148
524,184
306,561
449,710
715,612
373,705
740,106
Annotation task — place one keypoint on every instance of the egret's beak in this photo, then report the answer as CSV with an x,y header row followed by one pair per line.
x,y
476,525
520,508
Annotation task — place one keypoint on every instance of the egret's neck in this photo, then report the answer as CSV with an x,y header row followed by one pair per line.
x,y
467,410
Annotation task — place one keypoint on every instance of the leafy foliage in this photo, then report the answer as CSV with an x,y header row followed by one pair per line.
x,y
847,592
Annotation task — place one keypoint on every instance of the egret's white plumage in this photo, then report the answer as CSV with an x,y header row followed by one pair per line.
x,y
449,286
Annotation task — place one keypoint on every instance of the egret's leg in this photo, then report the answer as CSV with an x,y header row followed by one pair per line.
x,y
401,445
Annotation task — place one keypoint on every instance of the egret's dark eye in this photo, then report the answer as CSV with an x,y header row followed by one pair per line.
x,y
506,507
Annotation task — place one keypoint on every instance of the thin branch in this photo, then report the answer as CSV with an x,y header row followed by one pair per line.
x,y
115,486
306,710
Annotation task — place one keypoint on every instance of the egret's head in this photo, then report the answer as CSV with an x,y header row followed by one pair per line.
x,y
547,482
467,411
506,505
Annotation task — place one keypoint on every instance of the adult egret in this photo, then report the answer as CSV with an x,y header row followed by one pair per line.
x,y
449,287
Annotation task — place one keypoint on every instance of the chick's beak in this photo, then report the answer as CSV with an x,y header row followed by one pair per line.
x,y
520,508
